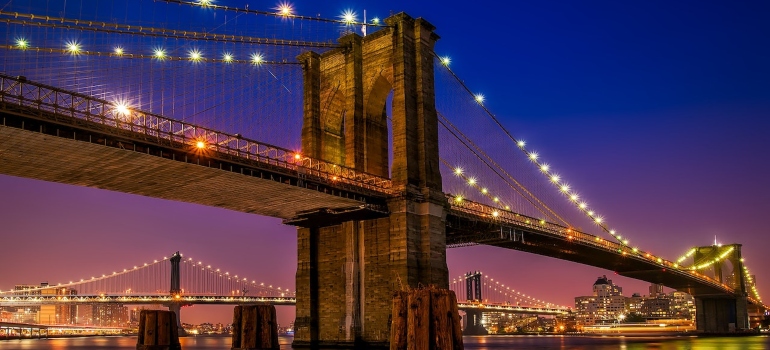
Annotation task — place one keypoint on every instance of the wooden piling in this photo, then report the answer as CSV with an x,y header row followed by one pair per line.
x,y
399,320
425,319
255,327
157,331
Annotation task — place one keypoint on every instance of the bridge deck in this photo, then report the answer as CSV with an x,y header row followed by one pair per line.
x,y
57,159
473,223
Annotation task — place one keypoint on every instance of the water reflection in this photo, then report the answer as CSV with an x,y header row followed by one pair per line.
x,y
477,343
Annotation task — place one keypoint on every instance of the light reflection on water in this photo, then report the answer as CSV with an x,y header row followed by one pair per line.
x,y
476,343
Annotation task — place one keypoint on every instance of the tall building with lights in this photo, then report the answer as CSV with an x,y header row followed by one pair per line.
x,y
606,305
57,314
110,315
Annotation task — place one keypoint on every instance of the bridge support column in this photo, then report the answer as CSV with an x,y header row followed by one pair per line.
x,y
721,315
347,273
177,309
473,324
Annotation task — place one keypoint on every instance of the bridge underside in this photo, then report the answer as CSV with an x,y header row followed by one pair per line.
x,y
38,149
463,230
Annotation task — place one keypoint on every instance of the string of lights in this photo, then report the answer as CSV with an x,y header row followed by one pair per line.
x,y
497,169
115,28
88,280
195,56
242,280
555,179
285,10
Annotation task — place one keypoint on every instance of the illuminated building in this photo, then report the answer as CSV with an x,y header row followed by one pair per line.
x,y
606,305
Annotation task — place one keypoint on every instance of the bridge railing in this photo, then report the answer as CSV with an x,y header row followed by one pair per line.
x,y
498,215
116,117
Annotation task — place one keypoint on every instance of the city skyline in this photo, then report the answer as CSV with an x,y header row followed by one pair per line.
x,y
655,111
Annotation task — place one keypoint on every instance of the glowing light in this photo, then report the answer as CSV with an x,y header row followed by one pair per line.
x,y
195,55
471,181
564,188
479,98
122,108
458,199
521,143
22,44
583,205
376,20
159,54
599,220
533,156
495,213
507,207
205,2
227,57
545,167
257,59
348,17
446,60
458,171
285,9
118,50
574,197
591,213
484,191
496,199
73,47
200,144
555,178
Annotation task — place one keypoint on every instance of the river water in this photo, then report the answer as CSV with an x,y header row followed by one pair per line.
x,y
486,342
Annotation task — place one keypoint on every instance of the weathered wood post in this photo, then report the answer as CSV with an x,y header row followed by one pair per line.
x,y
157,331
425,319
255,327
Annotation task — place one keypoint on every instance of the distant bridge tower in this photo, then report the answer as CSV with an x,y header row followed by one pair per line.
x,y
175,291
350,263
175,259
473,286
473,325
720,314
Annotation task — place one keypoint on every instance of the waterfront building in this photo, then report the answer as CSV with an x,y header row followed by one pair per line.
x,y
110,315
606,305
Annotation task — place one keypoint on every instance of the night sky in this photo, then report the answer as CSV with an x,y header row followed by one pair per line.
x,y
657,111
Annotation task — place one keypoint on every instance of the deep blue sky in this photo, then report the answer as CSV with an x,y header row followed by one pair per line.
x,y
657,111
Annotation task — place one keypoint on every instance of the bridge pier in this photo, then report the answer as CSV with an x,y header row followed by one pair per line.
x,y
177,309
721,315
347,273
473,324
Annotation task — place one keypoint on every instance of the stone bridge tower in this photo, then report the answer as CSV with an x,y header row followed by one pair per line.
x,y
719,314
348,269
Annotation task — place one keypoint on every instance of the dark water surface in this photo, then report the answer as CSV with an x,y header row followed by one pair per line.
x,y
487,342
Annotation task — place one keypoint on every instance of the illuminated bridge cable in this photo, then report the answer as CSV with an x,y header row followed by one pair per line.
x,y
280,14
564,189
115,28
157,56
496,168
473,183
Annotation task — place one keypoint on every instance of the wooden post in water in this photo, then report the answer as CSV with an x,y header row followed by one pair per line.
x,y
425,319
255,327
157,331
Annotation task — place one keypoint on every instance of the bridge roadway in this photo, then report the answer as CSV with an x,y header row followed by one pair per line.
x,y
32,300
55,135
